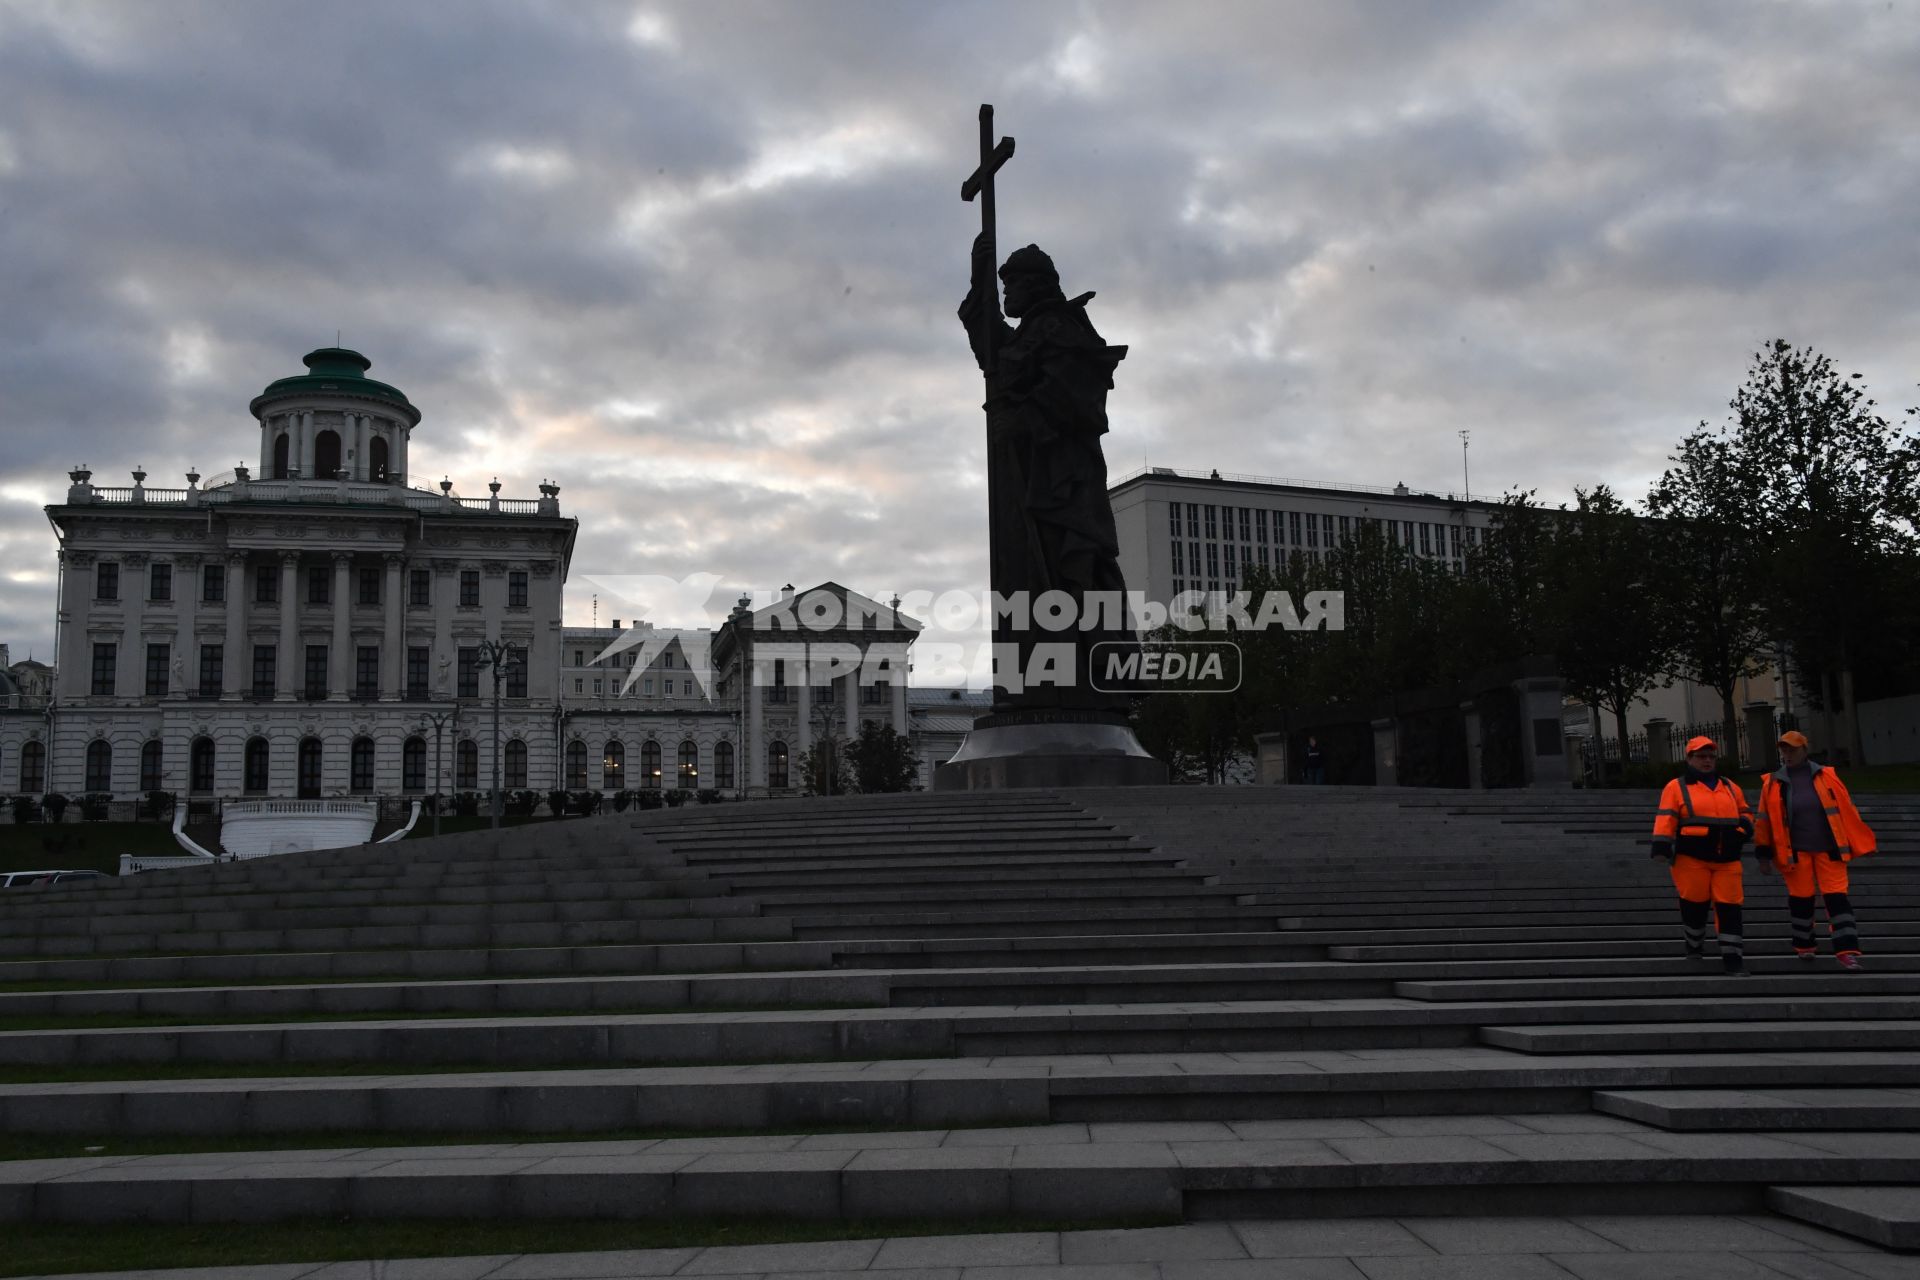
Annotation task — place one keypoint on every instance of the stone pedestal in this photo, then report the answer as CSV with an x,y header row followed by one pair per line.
x,y
1762,737
1542,747
1659,744
1270,759
1049,749
1476,767
1386,755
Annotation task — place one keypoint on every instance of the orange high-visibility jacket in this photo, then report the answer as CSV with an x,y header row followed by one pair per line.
x,y
1852,838
1703,819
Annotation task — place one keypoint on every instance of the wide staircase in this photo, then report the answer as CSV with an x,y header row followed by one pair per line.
x,y
1077,1006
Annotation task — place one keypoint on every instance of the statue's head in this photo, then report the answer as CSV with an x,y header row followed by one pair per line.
x,y
1029,278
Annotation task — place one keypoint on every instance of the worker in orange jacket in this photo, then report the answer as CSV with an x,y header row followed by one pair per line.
x,y
1808,825
1701,828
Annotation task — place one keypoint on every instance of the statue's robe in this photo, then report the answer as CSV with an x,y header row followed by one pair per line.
x,y
1051,522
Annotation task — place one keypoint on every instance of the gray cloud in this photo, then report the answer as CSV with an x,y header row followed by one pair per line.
x,y
699,263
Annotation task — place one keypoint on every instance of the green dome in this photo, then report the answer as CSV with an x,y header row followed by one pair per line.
x,y
338,371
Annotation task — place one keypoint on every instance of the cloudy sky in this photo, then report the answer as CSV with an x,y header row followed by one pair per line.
x,y
698,263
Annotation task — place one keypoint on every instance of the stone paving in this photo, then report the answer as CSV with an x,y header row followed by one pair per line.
x,y
1289,1016
1722,1247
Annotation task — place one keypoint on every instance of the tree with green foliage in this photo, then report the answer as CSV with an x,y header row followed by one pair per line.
x,y
1710,568
1837,490
882,760
1603,614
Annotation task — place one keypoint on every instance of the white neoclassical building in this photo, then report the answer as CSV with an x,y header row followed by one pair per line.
x,y
321,629
297,633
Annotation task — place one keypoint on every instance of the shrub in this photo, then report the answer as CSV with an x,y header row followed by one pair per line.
x,y
467,804
557,802
55,805
93,806
709,795
678,796
621,799
159,805
649,799
25,809
521,804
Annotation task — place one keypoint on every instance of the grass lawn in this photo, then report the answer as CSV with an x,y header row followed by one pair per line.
x,y
82,846
33,1249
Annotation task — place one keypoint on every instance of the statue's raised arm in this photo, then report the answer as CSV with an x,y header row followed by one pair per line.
x,y
987,329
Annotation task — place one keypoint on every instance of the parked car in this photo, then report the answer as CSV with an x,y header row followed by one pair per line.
x,y
21,879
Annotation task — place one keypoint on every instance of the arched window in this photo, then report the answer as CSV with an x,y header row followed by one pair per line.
x,y
723,764
310,760
200,767
650,765
689,764
33,767
377,459
257,761
326,455
280,456
99,765
360,771
576,765
413,765
516,763
152,765
777,764
613,766
466,765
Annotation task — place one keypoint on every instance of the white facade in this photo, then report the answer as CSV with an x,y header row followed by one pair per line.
x,y
1199,531
296,636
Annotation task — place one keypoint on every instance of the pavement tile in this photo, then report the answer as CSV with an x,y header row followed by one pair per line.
x,y
1331,1127
871,1141
1193,1241
758,1259
1507,1235
1813,1266
1035,1135
1805,1232
1025,1248
1504,1266
1262,1269
1883,1266
1688,1233
1103,1271
609,1265
1442,1126
1331,1237
1164,1131
1661,1266
413,1269
1583,1122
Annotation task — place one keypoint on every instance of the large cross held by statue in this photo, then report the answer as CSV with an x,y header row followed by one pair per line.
x,y
980,183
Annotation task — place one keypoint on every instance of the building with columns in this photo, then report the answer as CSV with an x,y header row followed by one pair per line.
x,y
320,629
823,662
295,633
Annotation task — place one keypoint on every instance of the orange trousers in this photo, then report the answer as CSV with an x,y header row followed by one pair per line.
x,y
1698,881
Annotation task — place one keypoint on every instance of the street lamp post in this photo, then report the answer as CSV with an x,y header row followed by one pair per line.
x,y
439,720
503,657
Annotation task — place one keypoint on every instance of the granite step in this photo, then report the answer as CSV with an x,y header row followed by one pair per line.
x,y
1708,1036
1886,1216
938,1092
1839,1106
1196,1170
989,1031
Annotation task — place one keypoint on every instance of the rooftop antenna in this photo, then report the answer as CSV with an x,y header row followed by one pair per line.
x,y
596,610
1466,484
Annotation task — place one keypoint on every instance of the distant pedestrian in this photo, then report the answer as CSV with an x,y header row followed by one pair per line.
x,y
1701,828
1809,827
1315,771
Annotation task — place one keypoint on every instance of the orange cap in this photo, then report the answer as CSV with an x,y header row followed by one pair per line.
x,y
1701,743
1793,738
